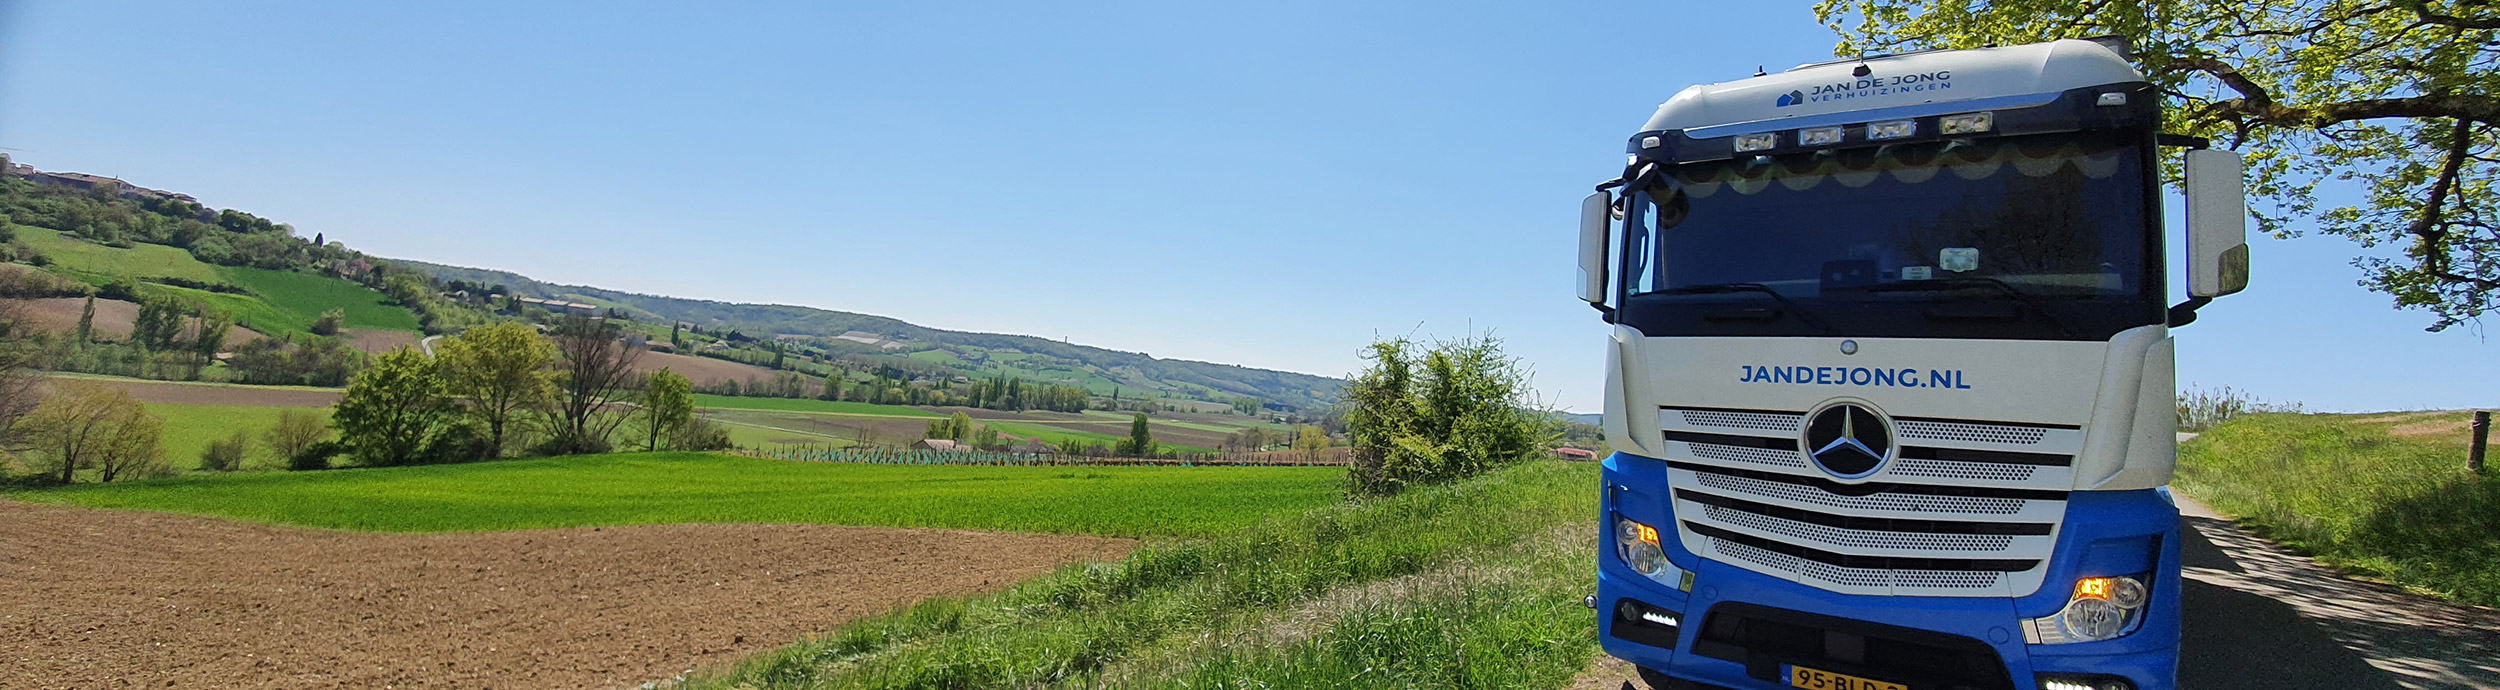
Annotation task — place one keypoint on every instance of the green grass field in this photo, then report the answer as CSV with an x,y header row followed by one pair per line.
x,y
1471,585
626,489
2383,495
301,297
724,402
100,263
189,429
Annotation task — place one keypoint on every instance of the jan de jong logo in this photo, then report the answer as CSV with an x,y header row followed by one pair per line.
x,y
1848,440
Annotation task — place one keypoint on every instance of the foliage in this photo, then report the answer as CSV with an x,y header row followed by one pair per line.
x,y
590,377
289,361
2385,495
1141,438
1475,584
316,456
499,370
956,427
329,322
656,488
21,389
85,425
664,410
295,431
1453,411
2395,96
702,434
393,409
226,455
2201,409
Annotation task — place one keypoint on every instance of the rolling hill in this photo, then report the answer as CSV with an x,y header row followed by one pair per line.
x,y
975,355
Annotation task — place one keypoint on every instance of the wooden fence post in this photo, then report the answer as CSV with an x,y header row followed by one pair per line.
x,y
2482,436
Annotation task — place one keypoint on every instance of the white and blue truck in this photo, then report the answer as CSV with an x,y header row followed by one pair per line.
x,y
1890,388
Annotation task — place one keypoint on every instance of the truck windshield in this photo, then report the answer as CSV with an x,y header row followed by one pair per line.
x,y
2032,219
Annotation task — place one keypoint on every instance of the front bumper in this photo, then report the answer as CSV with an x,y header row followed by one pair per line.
x,y
1736,628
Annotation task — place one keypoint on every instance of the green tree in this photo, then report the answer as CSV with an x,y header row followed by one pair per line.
x,y
86,321
1141,439
1452,411
329,322
500,370
208,337
85,425
591,371
226,455
666,407
393,409
295,431
159,323
2396,96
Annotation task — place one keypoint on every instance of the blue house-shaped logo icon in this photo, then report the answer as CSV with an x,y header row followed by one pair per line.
x,y
1792,98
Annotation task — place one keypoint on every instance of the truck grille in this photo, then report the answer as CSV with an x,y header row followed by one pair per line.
x,y
1968,508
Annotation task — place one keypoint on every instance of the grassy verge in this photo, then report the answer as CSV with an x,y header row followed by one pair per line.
x,y
1471,585
653,488
2384,495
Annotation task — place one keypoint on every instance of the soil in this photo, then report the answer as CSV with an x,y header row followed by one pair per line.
x,y
701,370
107,598
223,394
373,342
112,318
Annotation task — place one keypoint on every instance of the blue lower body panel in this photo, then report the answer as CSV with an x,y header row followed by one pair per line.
x,y
1736,628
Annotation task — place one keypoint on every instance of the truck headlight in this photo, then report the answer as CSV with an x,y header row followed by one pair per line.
x,y
1637,544
2102,608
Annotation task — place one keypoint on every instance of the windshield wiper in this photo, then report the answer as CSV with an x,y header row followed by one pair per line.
x,y
1941,284
1727,288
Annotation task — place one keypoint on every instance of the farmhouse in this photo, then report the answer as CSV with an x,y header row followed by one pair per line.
x,y
557,305
866,338
939,444
1568,453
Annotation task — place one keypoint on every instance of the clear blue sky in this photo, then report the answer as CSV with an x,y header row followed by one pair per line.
x,y
1268,184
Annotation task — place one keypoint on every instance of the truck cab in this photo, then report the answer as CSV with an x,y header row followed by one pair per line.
x,y
1889,386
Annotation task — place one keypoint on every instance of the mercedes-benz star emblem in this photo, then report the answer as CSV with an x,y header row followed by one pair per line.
x,y
1848,440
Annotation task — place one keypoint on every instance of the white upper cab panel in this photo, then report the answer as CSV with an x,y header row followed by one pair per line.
x,y
1899,80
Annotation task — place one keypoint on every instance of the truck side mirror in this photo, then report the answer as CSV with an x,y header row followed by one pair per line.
x,y
1596,213
2217,220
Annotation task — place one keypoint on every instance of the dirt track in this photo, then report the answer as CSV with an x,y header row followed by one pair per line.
x,y
102,598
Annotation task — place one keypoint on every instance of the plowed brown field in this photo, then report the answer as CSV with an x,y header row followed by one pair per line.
x,y
702,371
106,598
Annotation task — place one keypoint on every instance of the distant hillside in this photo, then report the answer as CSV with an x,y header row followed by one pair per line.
x,y
971,354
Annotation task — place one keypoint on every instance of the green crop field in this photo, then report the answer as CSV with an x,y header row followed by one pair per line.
x,y
189,428
650,488
724,402
302,297
99,264
290,302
